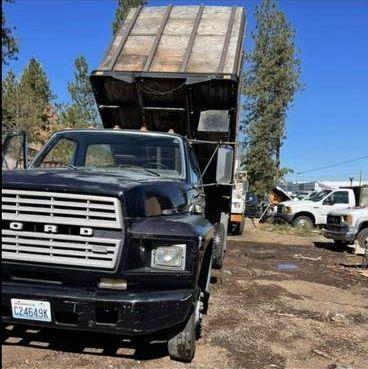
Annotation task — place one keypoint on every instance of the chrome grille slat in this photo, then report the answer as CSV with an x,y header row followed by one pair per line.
x,y
58,203
55,253
61,209
53,211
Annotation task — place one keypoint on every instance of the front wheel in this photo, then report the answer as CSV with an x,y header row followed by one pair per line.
x,y
182,346
303,222
218,247
363,241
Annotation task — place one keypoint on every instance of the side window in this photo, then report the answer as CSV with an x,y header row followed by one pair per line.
x,y
340,197
98,155
60,155
194,167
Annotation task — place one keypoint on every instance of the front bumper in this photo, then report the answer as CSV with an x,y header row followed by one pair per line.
x,y
340,233
126,313
286,217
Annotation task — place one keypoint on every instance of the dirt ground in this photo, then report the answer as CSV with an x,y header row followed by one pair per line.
x,y
280,302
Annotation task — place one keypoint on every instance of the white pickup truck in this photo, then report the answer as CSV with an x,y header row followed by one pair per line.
x,y
349,227
313,212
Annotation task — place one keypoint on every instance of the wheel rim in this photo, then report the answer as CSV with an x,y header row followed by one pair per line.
x,y
303,223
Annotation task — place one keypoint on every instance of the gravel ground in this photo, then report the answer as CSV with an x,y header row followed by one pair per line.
x,y
280,302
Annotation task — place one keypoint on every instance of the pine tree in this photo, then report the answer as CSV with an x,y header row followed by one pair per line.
x,y
10,102
9,44
83,111
35,109
271,81
122,11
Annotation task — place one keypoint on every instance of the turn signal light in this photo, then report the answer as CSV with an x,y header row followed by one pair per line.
x,y
113,284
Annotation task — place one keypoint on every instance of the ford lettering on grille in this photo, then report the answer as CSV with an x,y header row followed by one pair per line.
x,y
61,228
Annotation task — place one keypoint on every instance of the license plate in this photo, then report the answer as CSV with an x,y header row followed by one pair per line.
x,y
31,310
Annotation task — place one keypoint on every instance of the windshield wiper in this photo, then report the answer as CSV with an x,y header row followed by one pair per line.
x,y
134,167
150,171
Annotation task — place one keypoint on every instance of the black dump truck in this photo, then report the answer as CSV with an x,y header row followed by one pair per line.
x,y
116,230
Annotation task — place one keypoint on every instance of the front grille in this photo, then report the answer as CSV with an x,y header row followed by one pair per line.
x,y
279,209
333,219
61,208
94,212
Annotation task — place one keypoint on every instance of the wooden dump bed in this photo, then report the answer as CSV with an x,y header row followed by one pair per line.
x,y
168,64
182,39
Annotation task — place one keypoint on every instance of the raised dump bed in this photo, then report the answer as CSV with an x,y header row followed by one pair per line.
x,y
166,65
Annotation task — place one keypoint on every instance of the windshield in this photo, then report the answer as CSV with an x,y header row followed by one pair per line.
x,y
319,195
150,154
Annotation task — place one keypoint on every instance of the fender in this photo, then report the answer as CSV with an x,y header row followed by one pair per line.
x,y
307,214
361,224
180,225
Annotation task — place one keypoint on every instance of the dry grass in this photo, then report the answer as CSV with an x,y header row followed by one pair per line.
x,y
286,229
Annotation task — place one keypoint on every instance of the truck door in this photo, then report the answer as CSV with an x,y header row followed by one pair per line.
x,y
14,150
335,201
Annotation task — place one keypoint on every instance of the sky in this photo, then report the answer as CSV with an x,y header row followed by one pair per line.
x,y
328,121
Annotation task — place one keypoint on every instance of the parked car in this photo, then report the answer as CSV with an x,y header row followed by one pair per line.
x,y
313,212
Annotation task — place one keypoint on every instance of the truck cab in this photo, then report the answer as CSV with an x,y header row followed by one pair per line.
x,y
313,212
106,232
349,227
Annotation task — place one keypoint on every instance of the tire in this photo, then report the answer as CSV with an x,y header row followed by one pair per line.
x,y
303,221
363,239
236,228
218,247
182,346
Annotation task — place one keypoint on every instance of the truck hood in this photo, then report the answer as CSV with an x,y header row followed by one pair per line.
x,y
142,194
298,203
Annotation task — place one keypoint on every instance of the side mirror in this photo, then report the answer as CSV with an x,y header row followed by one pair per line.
x,y
224,168
14,150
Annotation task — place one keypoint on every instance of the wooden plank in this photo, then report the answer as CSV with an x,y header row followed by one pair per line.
x,y
206,54
134,55
227,41
152,52
120,47
214,21
191,40
170,53
148,22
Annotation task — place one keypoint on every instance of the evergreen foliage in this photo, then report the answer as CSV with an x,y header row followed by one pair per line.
x,y
27,103
271,81
121,12
83,111
9,44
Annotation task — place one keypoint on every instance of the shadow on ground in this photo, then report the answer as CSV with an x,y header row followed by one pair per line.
x,y
82,343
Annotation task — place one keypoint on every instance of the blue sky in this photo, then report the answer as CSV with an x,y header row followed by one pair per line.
x,y
328,122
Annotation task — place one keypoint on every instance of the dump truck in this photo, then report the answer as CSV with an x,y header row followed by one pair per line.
x,y
117,229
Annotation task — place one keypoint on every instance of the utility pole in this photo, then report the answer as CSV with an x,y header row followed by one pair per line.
x,y
351,181
360,178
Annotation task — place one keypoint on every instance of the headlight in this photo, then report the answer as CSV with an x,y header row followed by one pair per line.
x,y
348,219
169,257
287,209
